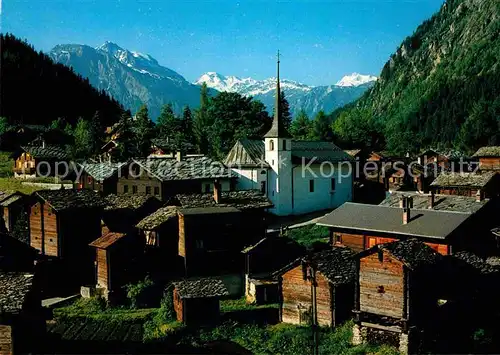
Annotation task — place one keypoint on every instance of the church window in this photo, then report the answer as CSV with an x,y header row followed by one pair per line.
x,y
332,187
263,187
271,145
284,145
263,172
311,185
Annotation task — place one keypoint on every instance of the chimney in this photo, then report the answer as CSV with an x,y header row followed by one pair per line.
x,y
406,215
432,199
479,196
179,156
217,192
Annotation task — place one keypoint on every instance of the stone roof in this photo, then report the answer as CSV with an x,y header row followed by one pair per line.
x,y
166,145
107,240
251,153
10,200
336,264
375,218
46,152
412,252
489,151
477,180
9,196
441,202
14,288
129,201
157,218
201,288
188,169
247,153
102,171
478,263
70,199
248,199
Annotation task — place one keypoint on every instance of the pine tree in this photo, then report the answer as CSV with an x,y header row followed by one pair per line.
x,y
81,147
167,123
126,148
321,129
300,128
187,125
143,131
201,123
96,132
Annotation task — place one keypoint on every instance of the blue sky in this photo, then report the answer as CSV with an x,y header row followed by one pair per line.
x,y
320,41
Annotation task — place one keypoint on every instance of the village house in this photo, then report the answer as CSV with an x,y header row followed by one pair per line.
x,y
165,148
394,293
485,184
32,161
22,326
197,302
101,177
318,289
164,178
489,158
297,176
446,231
62,223
12,204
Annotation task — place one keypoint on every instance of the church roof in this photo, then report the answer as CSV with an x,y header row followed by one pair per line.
x,y
247,152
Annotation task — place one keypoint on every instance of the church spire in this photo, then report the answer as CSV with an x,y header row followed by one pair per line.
x,y
278,130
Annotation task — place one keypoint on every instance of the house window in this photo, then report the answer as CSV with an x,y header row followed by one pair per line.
x,y
89,180
199,244
380,289
207,188
125,189
284,145
134,189
304,314
148,190
151,238
272,162
337,238
157,190
332,184
263,187
311,185
271,145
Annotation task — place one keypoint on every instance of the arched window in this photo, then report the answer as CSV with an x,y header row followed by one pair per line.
x,y
284,144
271,145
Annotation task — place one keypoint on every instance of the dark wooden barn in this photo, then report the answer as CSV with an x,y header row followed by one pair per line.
x,y
62,224
484,184
318,289
489,158
197,302
22,326
12,204
395,297
102,177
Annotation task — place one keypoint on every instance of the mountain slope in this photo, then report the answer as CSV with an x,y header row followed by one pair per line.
x,y
300,96
440,88
131,78
35,90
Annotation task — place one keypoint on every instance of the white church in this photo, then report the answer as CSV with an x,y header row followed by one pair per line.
x,y
297,176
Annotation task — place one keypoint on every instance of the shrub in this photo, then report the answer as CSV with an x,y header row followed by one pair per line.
x,y
139,294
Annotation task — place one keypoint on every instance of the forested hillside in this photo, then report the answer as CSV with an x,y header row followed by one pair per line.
x,y
440,89
35,90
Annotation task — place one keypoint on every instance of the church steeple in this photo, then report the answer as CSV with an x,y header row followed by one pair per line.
x,y
278,130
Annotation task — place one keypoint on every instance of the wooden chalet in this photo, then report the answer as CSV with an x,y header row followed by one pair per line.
x,y
12,204
101,177
489,158
485,184
318,289
62,224
166,148
114,253
262,260
462,227
22,326
394,293
38,160
16,255
165,178
197,302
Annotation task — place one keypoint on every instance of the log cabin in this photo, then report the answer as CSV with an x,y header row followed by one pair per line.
x,y
394,293
484,184
62,224
22,326
12,205
165,177
318,289
197,302
361,226
101,177
489,158
33,161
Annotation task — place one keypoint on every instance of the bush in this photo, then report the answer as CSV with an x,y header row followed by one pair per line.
x,y
139,294
164,321
312,237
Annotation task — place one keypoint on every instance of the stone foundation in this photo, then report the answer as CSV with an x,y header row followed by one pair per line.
x,y
400,340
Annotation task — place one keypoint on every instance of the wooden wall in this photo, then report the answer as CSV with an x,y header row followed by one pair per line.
x,y
6,218
489,163
6,347
178,306
36,226
381,285
297,298
102,268
127,183
51,244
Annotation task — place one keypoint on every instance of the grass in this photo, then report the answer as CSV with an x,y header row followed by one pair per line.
x,y
16,185
311,236
240,304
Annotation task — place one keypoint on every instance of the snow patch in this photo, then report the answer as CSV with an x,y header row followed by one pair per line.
x,y
355,79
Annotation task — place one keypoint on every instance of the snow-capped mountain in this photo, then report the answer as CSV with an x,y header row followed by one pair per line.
x,y
356,79
130,77
300,96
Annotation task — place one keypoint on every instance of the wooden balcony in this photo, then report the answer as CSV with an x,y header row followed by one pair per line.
x,y
25,171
